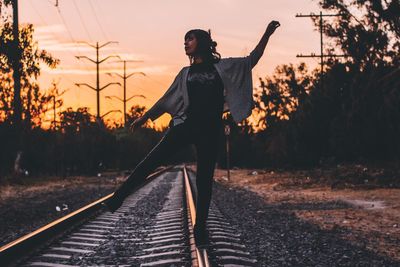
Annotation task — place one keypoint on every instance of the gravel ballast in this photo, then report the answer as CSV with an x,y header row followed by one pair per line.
x,y
139,218
277,238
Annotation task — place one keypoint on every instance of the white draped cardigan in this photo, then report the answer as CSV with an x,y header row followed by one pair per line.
x,y
238,87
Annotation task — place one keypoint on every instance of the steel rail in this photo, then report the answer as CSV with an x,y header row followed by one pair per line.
x,y
200,257
27,244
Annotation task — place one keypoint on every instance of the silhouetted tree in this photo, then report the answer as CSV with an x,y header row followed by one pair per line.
x,y
278,96
33,100
367,30
85,143
136,111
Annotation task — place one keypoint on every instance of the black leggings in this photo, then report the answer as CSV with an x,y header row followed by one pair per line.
x,y
206,140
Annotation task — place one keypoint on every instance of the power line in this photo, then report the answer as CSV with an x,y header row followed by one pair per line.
x,y
97,20
51,31
72,39
103,14
65,24
82,21
105,35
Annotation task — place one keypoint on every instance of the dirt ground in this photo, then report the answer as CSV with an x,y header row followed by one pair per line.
x,y
366,210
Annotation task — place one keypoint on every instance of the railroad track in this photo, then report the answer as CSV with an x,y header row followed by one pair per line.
x,y
154,227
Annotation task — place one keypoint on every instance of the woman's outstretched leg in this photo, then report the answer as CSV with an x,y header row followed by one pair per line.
x,y
174,139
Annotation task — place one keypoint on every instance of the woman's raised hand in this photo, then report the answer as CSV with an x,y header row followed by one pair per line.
x,y
272,26
137,123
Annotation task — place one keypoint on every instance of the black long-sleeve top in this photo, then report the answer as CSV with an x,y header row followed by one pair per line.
x,y
206,94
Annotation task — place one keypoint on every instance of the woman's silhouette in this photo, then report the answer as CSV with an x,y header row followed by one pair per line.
x,y
196,100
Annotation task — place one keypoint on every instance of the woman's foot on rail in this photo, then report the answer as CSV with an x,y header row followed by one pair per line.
x,y
113,203
200,236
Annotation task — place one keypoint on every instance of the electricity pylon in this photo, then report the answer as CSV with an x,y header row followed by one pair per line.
x,y
97,62
125,77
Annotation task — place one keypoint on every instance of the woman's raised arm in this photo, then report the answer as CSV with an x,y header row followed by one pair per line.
x,y
259,49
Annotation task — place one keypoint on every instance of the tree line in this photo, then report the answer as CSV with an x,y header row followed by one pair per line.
x,y
298,120
353,115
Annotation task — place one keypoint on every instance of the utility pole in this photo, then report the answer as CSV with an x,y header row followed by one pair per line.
x,y
16,105
54,112
16,64
97,62
54,105
56,94
125,77
321,30
227,132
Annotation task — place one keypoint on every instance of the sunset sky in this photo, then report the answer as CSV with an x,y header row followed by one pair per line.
x,y
152,32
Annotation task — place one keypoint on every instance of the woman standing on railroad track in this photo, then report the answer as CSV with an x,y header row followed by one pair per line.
x,y
196,100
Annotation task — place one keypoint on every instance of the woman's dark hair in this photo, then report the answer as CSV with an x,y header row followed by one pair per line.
x,y
205,46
